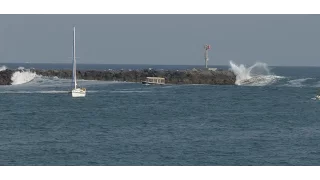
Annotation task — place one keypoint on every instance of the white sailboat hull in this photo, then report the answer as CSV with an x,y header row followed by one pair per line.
x,y
78,92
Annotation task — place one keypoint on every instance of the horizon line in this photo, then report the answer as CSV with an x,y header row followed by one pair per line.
x,y
152,64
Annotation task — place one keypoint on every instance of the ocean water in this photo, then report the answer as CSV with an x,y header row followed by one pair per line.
x,y
270,117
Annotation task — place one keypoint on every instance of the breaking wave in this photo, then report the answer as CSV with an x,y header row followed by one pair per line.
x,y
297,82
22,76
2,68
20,68
255,75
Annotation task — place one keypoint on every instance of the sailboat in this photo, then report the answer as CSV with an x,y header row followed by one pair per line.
x,y
76,92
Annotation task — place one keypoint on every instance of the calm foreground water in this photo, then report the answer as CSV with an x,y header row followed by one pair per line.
x,y
272,121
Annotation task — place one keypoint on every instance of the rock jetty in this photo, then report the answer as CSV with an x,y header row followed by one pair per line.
x,y
194,76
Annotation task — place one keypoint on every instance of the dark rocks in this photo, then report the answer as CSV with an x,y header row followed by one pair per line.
x,y
5,77
194,76
219,77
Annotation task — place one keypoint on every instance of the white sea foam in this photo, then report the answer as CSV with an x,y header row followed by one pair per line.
x,y
22,76
2,68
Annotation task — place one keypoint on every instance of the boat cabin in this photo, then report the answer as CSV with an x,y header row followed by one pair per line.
x,y
154,80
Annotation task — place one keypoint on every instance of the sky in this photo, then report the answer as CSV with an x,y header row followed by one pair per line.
x,y
278,40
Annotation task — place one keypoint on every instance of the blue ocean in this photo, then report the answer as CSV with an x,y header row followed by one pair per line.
x,y
269,117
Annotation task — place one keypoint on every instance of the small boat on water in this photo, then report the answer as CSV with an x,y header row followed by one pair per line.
x,y
154,81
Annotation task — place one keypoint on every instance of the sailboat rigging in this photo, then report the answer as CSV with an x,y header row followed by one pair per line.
x,y
76,92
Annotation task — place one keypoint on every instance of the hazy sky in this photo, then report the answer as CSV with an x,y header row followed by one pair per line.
x,y
161,39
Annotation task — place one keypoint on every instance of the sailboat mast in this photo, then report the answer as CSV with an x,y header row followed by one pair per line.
x,y
74,58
